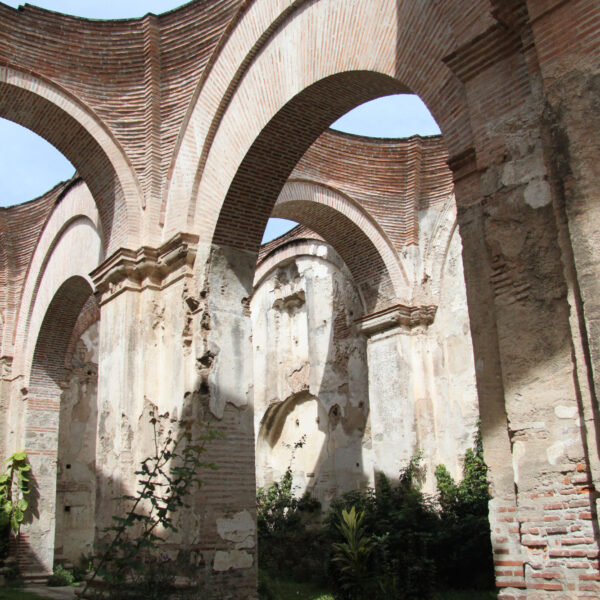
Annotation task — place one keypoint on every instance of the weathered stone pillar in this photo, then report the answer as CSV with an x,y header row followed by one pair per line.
x,y
542,513
169,344
398,394
5,393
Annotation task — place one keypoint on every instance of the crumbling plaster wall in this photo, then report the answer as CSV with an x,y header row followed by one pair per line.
x,y
76,461
310,376
421,371
416,389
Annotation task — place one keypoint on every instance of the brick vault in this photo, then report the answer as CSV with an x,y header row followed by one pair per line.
x,y
134,282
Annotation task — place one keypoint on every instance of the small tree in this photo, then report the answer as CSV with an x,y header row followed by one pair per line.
x,y
165,480
464,537
14,487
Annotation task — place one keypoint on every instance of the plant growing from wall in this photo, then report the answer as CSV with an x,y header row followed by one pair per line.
x,y
131,564
14,489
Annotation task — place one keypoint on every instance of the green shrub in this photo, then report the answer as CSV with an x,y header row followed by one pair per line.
x,y
14,487
289,540
61,577
464,544
352,556
389,542
402,523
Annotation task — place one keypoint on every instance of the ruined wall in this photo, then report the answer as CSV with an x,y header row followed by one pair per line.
x,y
76,469
313,375
310,376
220,105
421,366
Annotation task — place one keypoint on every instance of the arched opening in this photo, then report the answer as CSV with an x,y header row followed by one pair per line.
x,y
30,166
311,401
56,116
60,422
384,212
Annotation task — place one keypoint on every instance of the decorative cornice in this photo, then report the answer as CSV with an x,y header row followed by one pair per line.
x,y
146,268
399,315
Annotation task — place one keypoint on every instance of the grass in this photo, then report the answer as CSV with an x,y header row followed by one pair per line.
x,y
284,589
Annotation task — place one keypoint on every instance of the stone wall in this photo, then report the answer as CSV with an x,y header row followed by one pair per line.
x,y
76,473
362,403
310,376
191,128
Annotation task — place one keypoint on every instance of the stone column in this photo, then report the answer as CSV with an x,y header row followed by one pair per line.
x,y
176,345
5,389
398,394
542,512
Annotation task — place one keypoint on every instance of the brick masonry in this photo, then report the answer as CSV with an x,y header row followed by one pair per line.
x,y
205,120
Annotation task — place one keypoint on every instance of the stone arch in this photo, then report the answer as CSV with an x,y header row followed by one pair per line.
x,y
41,418
64,121
297,247
361,243
436,248
276,419
351,68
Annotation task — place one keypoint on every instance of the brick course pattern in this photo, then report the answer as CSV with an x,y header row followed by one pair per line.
x,y
191,128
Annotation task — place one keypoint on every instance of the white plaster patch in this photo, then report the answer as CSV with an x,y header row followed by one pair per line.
x,y
239,529
537,194
565,412
236,559
518,452
555,451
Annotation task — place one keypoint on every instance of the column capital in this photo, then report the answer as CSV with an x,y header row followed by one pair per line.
x,y
145,268
398,316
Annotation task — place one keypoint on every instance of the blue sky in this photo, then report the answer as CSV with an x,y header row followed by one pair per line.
x,y
29,166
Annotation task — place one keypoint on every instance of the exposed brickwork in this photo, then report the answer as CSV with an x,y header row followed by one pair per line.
x,y
20,229
196,120
144,53
391,179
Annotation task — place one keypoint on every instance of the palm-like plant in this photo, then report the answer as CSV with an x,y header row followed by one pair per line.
x,y
353,554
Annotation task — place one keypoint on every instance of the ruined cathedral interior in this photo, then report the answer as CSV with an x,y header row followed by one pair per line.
x,y
433,285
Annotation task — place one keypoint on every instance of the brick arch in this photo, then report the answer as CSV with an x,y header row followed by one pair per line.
x,y
49,358
293,248
316,46
61,119
360,242
280,145
73,223
48,373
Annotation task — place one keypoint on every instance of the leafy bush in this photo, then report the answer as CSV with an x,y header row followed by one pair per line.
x,y
14,486
464,541
352,555
418,545
61,577
401,523
288,541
